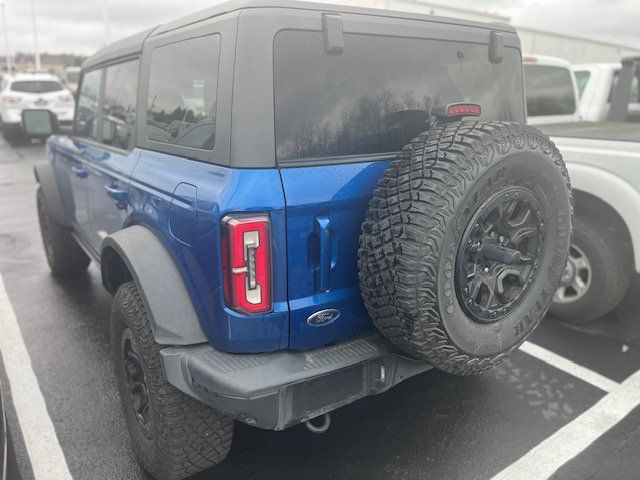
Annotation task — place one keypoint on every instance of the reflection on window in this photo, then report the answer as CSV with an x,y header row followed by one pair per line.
x,y
379,93
86,123
119,109
549,91
183,84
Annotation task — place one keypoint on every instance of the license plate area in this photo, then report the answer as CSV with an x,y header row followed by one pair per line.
x,y
323,394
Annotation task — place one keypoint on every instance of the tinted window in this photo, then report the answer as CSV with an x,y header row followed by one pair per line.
x,y
183,83
377,95
119,108
582,78
36,86
635,86
549,91
86,123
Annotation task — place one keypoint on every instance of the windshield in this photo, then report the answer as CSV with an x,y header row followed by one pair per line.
x,y
377,95
36,86
549,90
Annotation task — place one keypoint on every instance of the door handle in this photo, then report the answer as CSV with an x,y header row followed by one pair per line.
x,y
79,171
119,195
322,229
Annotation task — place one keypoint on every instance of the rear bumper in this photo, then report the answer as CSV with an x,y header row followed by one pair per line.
x,y
280,389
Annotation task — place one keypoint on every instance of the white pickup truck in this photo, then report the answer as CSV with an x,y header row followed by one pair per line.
x,y
603,159
596,83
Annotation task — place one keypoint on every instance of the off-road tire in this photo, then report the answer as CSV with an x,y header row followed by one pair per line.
x,y
64,255
413,227
611,264
12,133
186,436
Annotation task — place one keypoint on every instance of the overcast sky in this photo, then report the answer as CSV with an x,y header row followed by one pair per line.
x,y
77,26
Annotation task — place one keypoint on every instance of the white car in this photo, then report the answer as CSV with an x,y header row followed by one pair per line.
x,y
33,91
551,90
595,86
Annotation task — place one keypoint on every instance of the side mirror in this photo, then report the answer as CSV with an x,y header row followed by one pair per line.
x,y
39,123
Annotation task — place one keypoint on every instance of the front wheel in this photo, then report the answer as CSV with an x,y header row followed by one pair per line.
x,y
64,255
596,276
174,436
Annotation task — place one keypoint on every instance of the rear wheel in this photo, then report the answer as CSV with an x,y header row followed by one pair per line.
x,y
174,435
464,242
64,255
12,132
596,276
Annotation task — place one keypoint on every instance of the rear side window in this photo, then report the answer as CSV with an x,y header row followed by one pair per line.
x,y
119,107
378,94
549,91
86,122
582,78
36,86
635,86
183,83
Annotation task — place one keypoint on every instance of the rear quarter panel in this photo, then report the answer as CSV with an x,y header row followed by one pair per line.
x,y
183,202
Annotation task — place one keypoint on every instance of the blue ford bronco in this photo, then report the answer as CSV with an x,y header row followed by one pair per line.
x,y
296,205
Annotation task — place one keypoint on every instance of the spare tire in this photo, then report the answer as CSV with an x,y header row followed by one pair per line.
x,y
464,242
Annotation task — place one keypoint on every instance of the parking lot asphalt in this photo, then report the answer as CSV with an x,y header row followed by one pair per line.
x,y
543,406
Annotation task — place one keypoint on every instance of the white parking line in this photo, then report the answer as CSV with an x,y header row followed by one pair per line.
x,y
41,441
572,368
544,459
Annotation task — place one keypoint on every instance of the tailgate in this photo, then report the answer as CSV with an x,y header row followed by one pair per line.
x,y
325,206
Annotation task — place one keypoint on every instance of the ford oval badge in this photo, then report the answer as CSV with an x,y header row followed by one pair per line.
x,y
323,317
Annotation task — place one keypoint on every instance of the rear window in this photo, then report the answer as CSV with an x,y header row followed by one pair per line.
x,y
377,95
36,86
549,91
183,84
582,78
635,86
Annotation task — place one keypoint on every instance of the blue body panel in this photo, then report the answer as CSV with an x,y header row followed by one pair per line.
x,y
314,233
325,209
182,200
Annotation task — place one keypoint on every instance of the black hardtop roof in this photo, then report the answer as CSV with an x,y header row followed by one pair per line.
x,y
133,44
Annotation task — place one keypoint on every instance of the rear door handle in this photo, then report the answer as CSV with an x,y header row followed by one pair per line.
x,y
119,195
322,228
79,171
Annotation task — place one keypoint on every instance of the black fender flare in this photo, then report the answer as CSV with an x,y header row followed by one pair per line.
x,y
46,177
173,318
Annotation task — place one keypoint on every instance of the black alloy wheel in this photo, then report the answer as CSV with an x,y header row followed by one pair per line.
x,y
497,258
136,383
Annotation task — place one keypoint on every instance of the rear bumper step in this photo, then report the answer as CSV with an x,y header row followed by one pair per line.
x,y
280,389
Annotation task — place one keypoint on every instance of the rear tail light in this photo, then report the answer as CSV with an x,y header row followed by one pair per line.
x,y
246,263
455,109
11,99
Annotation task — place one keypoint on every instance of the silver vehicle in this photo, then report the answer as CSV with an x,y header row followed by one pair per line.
x,y
25,91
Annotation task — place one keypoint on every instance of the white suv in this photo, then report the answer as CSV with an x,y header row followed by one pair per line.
x,y
33,91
